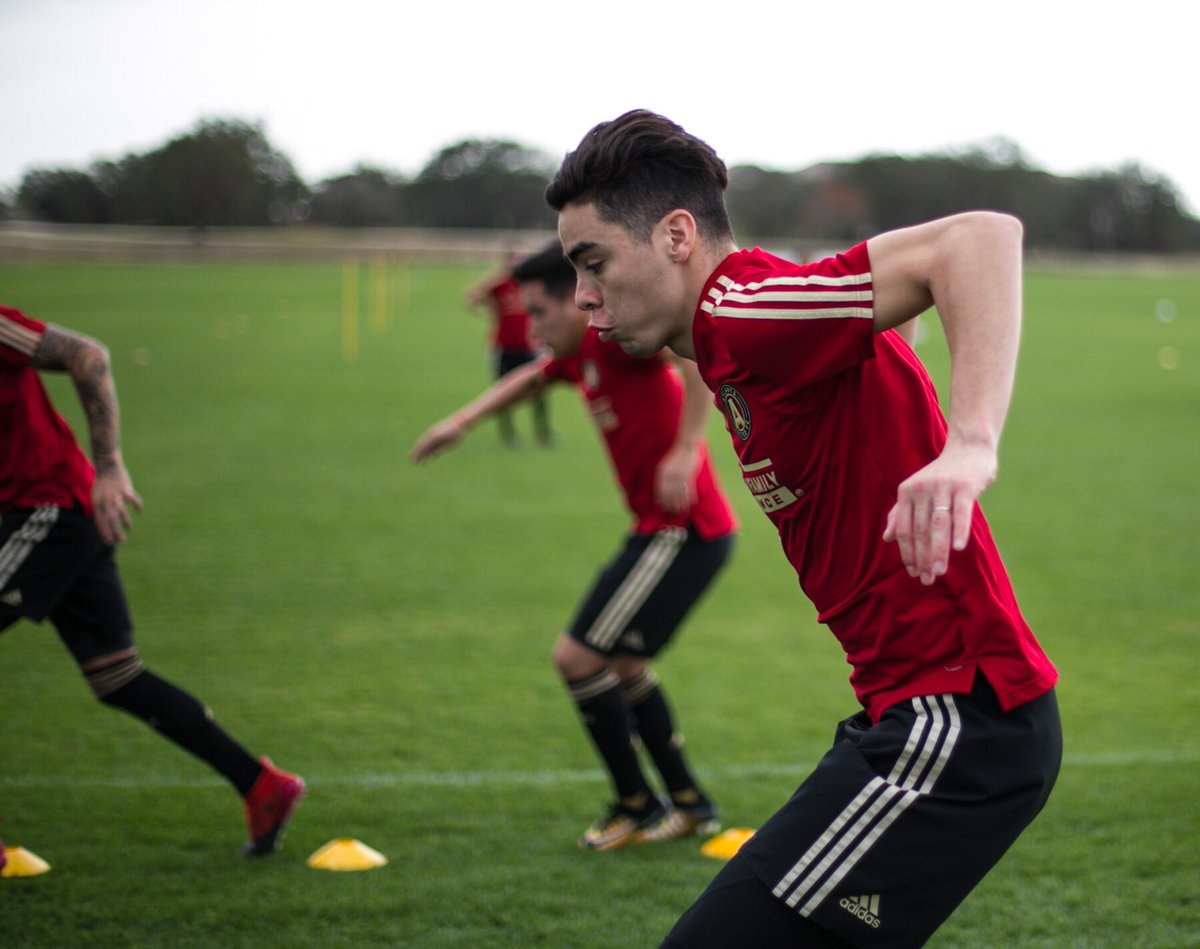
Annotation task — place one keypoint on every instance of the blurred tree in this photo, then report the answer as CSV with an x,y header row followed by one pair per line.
x,y
1126,210
62,194
481,183
224,172
124,186
367,197
767,203
1136,210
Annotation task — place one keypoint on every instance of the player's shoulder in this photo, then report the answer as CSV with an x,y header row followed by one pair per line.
x,y
18,331
760,270
757,285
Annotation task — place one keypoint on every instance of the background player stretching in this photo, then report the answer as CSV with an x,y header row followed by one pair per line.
x,y
511,342
652,426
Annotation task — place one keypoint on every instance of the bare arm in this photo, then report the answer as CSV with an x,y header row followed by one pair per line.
x,y
675,479
908,331
522,383
968,265
480,291
88,365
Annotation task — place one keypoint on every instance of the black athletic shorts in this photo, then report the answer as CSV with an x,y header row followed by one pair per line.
x,y
53,563
508,359
645,592
894,828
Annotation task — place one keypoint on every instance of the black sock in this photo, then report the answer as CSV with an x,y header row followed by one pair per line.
x,y
652,718
602,707
180,717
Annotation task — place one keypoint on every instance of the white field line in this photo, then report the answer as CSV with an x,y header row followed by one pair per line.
x,y
544,778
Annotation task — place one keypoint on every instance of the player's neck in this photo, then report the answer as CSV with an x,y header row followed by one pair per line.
x,y
701,265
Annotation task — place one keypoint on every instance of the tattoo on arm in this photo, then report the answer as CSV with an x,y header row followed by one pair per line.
x,y
87,362
57,350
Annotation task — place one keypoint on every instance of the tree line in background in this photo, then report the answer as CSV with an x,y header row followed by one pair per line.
x,y
226,173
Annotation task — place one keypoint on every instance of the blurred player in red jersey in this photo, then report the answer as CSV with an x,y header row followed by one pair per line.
x,y
841,442
512,343
652,425
62,517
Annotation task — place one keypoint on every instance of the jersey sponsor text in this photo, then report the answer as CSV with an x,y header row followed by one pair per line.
x,y
764,486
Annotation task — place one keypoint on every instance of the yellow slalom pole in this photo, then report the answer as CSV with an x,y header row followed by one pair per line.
x,y
349,310
378,293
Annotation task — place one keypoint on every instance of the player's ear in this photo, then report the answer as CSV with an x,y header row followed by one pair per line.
x,y
677,232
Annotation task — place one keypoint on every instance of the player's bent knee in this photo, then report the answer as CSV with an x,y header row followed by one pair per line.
x,y
574,661
107,679
630,668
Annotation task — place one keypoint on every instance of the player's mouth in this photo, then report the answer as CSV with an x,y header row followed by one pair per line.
x,y
602,322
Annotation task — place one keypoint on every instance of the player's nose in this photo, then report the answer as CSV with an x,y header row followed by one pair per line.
x,y
588,296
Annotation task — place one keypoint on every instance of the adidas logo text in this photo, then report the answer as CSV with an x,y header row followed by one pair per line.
x,y
865,908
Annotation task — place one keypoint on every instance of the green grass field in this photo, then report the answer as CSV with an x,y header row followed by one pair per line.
x,y
385,630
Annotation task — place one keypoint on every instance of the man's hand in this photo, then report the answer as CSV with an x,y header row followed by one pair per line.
x,y
933,508
675,480
112,492
445,434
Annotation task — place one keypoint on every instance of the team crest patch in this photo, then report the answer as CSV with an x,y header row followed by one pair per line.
x,y
736,410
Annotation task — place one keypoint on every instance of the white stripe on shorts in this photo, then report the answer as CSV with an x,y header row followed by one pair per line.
x,y
636,588
864,820
19,546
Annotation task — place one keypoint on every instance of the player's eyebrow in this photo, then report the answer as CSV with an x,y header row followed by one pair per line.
x,y
578,250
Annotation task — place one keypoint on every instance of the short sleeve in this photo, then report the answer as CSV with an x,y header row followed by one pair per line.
x,y
20,337
555,370
796,324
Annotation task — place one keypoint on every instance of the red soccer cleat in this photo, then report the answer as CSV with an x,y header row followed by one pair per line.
x,y
269,805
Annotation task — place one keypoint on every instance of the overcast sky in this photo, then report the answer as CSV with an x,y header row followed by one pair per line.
x,y
1079,86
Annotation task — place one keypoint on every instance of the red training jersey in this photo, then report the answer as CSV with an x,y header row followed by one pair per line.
x,y
637,405
827,418
40,461
510,327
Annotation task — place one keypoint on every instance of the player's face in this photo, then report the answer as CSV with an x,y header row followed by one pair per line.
x,y
629,287
559,323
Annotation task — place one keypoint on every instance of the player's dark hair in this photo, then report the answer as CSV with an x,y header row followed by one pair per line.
x,y
550,267
639,167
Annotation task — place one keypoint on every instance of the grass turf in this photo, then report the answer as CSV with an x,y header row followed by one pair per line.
x,y
385,631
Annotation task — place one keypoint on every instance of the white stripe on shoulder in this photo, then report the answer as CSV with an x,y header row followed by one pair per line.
x,y
797,280
793,295
18,337
798,296
823,313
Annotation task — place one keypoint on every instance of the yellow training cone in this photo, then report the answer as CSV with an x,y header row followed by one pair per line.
x,y
23,863
725,845
346,854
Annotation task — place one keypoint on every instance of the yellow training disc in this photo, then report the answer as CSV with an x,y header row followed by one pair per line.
x,y
346,854
726,844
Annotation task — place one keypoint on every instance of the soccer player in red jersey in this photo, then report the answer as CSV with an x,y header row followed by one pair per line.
x,y
652,425
512,345
61,517
841,442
